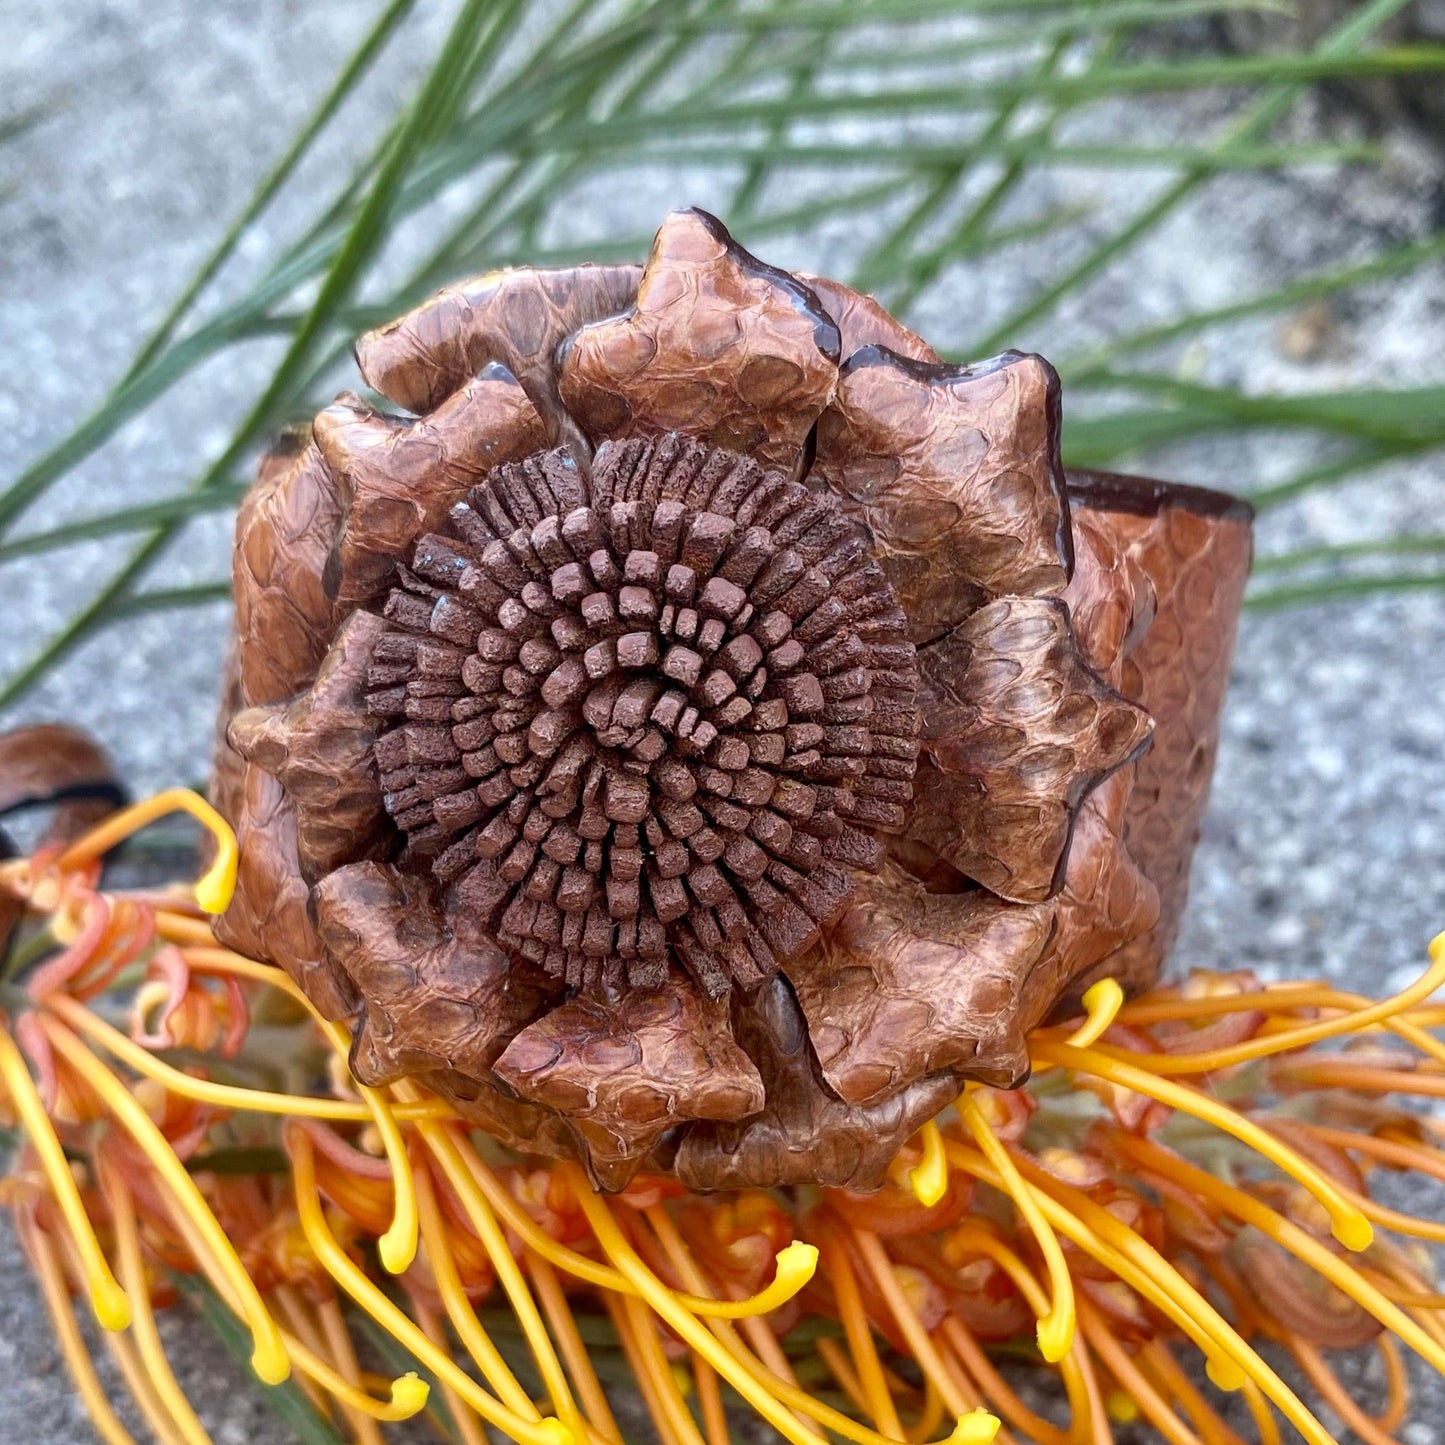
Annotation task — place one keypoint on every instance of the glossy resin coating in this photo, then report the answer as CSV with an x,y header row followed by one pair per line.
x,y
710,728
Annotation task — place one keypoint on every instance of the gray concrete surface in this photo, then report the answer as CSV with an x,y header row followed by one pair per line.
x,y
1325,846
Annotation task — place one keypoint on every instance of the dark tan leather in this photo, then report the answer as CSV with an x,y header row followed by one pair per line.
x,y
647,876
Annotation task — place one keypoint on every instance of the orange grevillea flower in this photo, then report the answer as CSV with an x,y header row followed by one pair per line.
x,y
1188,1175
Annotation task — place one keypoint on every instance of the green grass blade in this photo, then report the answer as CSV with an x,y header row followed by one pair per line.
x,y
286,1401
124,519
1342,42
1338,589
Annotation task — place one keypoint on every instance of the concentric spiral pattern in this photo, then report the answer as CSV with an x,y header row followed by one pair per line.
x,y
655,713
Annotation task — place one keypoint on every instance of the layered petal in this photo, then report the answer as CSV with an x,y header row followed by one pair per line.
x,y
269,917
437,992
1106,903
321,748
518,318
624,1066
1016,731
284,533
805,1133
719,347
399,479
956,471
861,321
910,982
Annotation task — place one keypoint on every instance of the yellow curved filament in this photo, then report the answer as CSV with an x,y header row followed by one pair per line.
x,y
796,1264
1302,1245
1355,1021
1056,1328
444,1148
108,1300
72,1345
147,1337
929,1177
1102,1002
268,1358
665,1304
213,889
187,1086
398,1245
1110,1241
346,1273
1350,1226
478,1343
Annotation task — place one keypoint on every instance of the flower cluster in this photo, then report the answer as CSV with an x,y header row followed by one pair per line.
x,y
1188,1175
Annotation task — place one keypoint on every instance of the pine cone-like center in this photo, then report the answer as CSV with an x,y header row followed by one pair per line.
x,y
657,715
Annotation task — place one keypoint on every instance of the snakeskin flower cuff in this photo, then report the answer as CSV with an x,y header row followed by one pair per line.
x,y
710,728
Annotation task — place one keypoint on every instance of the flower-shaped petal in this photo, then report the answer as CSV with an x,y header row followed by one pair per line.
x,y
805,1134
956,471
284,531
719,347
1105,904
625,1066
320,746
399,479
516,317
910,982
436,993
1016,731
861,321
1110,597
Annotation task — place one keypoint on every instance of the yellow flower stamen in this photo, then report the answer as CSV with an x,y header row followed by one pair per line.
x,y
203,1091
1134,1384
1289,1236
969,1355
343,1356
563,1327
67,1333
107,1299
654,1367
1102,1002
1056,1328
1353,1021
1350,1227
909,1325
767,1362
710,1403
444,1148
649,1387
929,1177
869,1368
214,888
468,1424
687,1326
147,1337
269,1358
1107,1239
300,1327
495,1370
397,1247
339,1265
1324,1379
123,1352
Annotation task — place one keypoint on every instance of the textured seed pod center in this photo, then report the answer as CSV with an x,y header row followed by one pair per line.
x,y
653,716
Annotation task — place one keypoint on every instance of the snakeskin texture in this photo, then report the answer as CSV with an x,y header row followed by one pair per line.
x,y
571,730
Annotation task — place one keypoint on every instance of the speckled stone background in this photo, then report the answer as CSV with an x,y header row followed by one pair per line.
x,y
1325,848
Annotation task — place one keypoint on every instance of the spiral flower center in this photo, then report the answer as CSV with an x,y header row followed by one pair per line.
x,y
654,717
